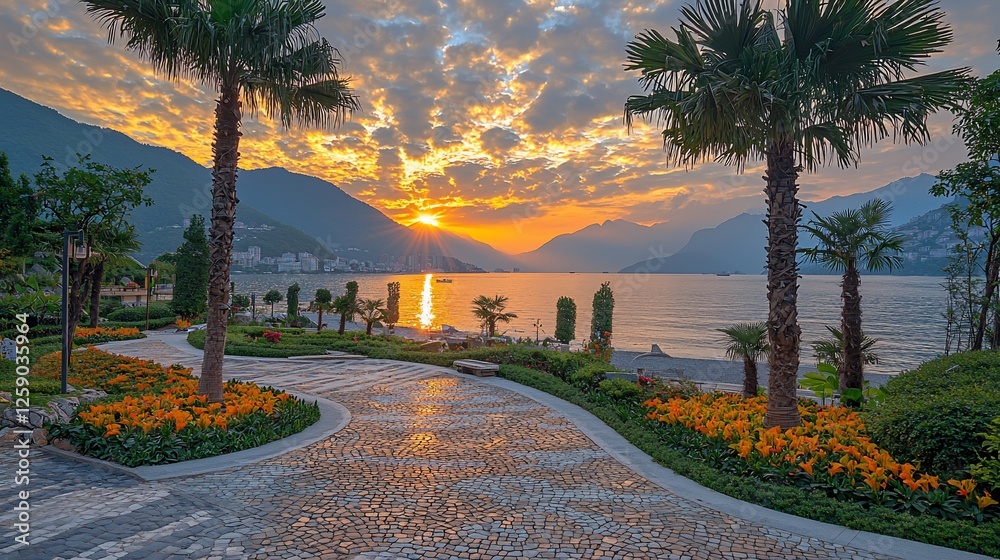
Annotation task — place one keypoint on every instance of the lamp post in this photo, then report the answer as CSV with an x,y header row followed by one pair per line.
x,y
79,252
538,325
253,306
150,276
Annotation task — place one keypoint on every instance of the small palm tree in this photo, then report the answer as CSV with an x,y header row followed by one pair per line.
x,y
813,83
322,302
831,350
747,342
272,297
262,57
846,241
347,305
371,310
491,311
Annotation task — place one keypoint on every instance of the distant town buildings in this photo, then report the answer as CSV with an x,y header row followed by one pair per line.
x,y
253,260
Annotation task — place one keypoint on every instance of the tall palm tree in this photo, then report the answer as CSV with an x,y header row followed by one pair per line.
x,y
845,241
490,311
263,56
371,310
736,86
747,342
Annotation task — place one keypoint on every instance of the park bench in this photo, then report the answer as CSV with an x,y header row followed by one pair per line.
x,y
476,367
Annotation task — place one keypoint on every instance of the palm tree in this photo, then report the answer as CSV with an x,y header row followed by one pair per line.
x,y
112,247
492,311
734,87
322,302
747,342
347,305
831,350
846,240
272,297
260,55
371,310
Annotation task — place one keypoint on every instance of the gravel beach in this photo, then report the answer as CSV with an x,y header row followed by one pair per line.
x,y
713,371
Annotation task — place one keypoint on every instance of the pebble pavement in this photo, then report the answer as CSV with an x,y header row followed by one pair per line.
x,y
432,465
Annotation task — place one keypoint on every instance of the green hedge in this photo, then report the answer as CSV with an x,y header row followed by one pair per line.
x,y
157,310
297,342
934,415
628,419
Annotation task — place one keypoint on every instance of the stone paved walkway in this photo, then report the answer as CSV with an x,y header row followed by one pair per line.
x,y
431,465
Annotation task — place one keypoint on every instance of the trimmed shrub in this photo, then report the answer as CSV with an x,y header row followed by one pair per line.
x,y
588,376
988,469
620,389
157,310
936,414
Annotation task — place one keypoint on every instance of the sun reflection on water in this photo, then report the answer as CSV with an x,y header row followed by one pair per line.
x,y
426,316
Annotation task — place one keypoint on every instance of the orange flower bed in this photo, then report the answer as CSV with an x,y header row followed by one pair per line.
x,y
161,418
87,335
830,449
180,405
109,372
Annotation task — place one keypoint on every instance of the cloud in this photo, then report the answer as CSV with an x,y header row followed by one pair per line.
x,y
504,117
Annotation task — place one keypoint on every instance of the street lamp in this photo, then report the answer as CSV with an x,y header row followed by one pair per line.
x,y
253,306
75,246
150,276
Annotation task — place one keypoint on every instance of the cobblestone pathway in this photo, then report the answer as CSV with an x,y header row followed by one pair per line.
x,y
432,465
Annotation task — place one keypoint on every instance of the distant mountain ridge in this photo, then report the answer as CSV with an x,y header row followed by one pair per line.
x,y
737,245
307,214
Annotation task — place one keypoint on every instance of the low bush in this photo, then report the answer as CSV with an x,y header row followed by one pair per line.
x,y
650,436
156,415
620,390
988,467
934,415
588,376
157,310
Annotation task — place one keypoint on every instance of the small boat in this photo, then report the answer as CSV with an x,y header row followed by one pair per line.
x,y
443,280
722,274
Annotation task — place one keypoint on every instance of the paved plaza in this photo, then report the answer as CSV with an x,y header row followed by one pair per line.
x,y
432,464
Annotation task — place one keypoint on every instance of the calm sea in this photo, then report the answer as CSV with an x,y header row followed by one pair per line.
x,y
678,312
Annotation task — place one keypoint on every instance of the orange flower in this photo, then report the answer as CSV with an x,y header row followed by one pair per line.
x,y
113,430
985,501
808,466
965,487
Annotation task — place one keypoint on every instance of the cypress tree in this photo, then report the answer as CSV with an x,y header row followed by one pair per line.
x,y
565,320
191,282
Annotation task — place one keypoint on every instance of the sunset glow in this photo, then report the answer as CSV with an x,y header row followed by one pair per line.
x,y
426,317
503,116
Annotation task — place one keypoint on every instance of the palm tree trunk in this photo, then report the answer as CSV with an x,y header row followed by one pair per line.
x,y
225,150
783,214
851,372
319,321
368,330
343,323
992,272
95,294
749,377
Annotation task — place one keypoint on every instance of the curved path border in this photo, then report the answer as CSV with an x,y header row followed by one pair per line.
x,y
336,417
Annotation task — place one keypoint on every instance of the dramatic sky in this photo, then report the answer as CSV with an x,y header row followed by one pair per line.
x,y
502,117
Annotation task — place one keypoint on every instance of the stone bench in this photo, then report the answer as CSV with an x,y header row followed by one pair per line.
x,y
476,367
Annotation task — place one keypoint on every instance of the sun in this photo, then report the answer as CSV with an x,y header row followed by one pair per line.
x,y
428,219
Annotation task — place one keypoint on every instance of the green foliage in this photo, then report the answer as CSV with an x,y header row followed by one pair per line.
x,y
109,306
297,342
18,212
604,308
293,301
490,311
824,383
391,315
831,350
620,389
934,415
347,305
629,420
565,319
588,376
272,297
157,310
191,283
988,468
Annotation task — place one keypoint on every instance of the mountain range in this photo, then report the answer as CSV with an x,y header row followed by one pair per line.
x,y
309,214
